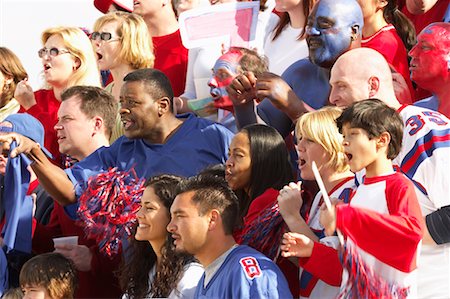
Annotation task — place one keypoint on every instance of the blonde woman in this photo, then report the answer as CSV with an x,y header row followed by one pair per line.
x,y
67,60
122,43
319,140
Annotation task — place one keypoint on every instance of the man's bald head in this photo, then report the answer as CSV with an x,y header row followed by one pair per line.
x,y
360,74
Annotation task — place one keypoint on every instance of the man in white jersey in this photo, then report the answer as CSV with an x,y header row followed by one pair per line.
x,y
424,157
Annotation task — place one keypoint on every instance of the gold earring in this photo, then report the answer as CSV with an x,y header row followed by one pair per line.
x,y
6,87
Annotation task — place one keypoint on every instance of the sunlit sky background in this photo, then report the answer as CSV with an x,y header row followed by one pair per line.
x,y
22,22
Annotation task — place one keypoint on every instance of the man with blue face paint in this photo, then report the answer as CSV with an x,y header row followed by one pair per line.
x,y
333,27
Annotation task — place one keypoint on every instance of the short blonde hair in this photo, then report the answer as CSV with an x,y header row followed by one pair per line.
x,y
137,46
79,45
320,127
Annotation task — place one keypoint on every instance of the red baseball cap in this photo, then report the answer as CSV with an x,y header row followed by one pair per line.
x,y
103,5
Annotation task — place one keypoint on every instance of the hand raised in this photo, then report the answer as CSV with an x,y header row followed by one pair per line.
x,y
290,200
242,89
296,245
24,144
274,88
327,218
81,255
24,94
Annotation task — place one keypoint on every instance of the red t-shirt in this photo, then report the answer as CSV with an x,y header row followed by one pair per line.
x,y
46,111
387,42
258,206
435,14
171,58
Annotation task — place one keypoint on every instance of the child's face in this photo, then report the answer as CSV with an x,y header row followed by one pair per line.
x,y
309,151
360,151
35,292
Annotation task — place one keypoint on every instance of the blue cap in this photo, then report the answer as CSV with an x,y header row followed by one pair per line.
x,y
28,126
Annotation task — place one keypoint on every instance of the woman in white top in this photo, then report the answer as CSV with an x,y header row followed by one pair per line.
x,y
286,42
152,268
202,59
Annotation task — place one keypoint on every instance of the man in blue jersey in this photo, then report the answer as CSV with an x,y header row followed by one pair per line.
x,y
155,141
204,215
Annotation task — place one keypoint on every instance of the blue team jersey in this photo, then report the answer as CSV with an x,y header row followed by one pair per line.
x,y
198,143
245,273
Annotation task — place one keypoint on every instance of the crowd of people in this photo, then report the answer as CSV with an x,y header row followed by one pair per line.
x,y
314,167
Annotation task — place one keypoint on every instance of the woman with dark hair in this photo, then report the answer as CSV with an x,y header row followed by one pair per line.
x,y
152,268
258,166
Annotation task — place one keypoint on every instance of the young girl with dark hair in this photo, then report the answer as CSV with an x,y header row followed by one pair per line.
x,y
153,269
257,167
387,30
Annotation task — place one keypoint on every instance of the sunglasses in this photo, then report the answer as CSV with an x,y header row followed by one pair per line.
x,y
104,36
52,52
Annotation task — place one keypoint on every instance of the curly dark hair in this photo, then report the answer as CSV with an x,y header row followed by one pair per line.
x,y
141,258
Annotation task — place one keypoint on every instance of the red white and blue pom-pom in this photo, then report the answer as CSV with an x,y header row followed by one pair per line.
x,y
364,282
108,207
265,233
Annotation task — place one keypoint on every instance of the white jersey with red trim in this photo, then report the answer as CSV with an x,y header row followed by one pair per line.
x,y
425,154
425,158
312,287
383,229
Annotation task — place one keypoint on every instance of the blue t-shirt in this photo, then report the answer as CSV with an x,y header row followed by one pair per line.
x,y
431,103
245,273
198,143
309,83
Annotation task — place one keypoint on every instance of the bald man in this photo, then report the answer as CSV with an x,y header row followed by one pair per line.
x,y
424,158
430,66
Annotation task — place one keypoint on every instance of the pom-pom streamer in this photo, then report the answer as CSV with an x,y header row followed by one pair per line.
x,y
108,207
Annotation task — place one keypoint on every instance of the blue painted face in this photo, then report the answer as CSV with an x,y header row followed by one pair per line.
x,y
329,30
